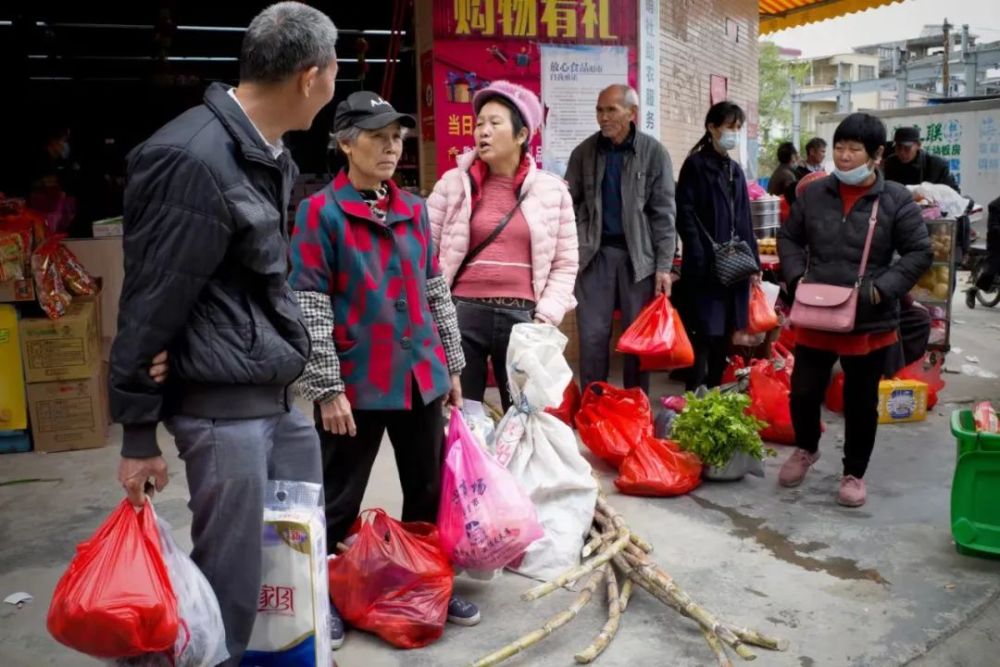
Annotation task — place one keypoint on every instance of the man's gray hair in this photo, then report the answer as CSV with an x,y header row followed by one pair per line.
x,y
630,98
285,39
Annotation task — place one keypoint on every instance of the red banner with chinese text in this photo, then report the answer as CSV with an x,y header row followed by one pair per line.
x,y
479,41
608,22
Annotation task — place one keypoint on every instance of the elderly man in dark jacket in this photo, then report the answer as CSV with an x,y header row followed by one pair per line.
x,y
910,164
622,184
206,247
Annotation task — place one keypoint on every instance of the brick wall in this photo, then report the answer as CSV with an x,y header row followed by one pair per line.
x,y
693,46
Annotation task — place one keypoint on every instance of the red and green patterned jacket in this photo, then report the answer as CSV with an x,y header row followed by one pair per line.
x,y
379,313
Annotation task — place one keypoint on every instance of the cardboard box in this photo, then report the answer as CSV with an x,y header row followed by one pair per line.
x,y
901,401
65,349
69,414
12,291
107,228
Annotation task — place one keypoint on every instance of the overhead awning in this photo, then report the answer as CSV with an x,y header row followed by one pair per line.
x,y
777,15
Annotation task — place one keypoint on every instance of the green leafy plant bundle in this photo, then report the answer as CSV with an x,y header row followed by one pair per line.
x,y
716,426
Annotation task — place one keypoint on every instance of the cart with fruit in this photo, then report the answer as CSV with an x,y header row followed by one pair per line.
x,y
934,289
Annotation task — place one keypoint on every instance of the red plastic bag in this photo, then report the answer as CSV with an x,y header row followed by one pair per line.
x,y
769,389
485,520
986,418
835,393
658,468
566,412
395,580
612,421
736,363
762,317
927,371
115,599
658,338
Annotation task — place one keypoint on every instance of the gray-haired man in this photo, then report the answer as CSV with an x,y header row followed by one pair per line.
x,y
206,244
622,185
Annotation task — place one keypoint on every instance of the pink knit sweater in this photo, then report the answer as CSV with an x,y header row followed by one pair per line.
x,y
504,267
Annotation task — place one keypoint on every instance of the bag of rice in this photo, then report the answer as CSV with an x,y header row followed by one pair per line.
x,y
293,608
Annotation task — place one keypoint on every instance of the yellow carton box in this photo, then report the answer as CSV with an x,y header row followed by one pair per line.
x,y
13,408
65,349
901,401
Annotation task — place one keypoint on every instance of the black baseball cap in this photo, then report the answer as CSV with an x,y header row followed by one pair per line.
x,y
906,135
369,112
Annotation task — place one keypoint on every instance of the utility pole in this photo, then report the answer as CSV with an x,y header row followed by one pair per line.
x,y
946,69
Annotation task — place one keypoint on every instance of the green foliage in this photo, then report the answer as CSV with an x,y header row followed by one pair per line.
x,y
716,426
775,102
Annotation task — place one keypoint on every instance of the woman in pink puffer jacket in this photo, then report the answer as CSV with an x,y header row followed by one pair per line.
x,y
527,271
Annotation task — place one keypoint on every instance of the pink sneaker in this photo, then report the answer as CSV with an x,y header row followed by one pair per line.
x,y
794,469
852,492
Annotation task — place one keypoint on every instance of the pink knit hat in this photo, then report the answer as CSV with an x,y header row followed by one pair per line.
x,y
525,101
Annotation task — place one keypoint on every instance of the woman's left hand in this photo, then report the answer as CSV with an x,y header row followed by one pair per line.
x,y
756,278
454,397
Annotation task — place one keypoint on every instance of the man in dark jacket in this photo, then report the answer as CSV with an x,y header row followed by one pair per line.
x,y
622,184
783,178
911,165
206,247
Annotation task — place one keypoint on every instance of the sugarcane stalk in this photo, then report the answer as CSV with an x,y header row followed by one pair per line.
x,y
642,544
579,571
551,625
717,648
677,598
758,639
625,595
610,628
597,540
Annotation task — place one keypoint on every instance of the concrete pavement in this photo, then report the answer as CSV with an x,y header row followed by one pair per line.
x,y
881,585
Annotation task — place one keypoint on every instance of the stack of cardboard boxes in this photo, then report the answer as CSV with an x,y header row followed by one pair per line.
x,y
66,378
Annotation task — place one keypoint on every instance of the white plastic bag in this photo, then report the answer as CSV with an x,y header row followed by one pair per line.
x,y
951,203
542,452
201,636
293,608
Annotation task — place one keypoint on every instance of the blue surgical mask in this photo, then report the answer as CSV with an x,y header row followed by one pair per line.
x,y
729,140
855,176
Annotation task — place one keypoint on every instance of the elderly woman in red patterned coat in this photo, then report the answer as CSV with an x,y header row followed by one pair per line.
x,y
387,351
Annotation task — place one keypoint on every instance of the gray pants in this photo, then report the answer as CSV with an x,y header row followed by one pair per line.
x,y
228,463
607,283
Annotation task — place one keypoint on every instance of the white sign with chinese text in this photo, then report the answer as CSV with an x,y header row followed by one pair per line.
x,y
966,135
572,79
649,67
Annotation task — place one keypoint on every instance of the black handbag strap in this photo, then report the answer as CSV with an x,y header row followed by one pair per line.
x,y
482,245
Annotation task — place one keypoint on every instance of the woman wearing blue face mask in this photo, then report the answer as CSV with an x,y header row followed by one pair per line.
x,y
823,242
713,207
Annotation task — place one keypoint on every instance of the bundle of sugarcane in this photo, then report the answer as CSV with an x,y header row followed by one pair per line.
x,y
615,555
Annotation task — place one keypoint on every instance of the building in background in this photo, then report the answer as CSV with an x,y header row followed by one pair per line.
x,y
938,63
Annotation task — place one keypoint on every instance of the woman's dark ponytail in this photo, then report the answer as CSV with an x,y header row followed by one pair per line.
x,y
722,113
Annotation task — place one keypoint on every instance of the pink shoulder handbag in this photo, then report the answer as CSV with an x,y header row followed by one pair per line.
x,y
832,307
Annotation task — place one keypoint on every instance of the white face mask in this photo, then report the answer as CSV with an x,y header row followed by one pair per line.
x,y
729,140
855,176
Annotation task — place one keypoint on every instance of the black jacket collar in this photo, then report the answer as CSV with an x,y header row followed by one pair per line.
x,y
236,122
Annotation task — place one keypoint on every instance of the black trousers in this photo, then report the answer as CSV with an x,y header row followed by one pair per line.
x,y
709,361
485,336
606,283
810,379
417,437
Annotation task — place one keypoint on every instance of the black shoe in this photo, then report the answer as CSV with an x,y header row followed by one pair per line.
x,y
970,298
461,612
336,628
